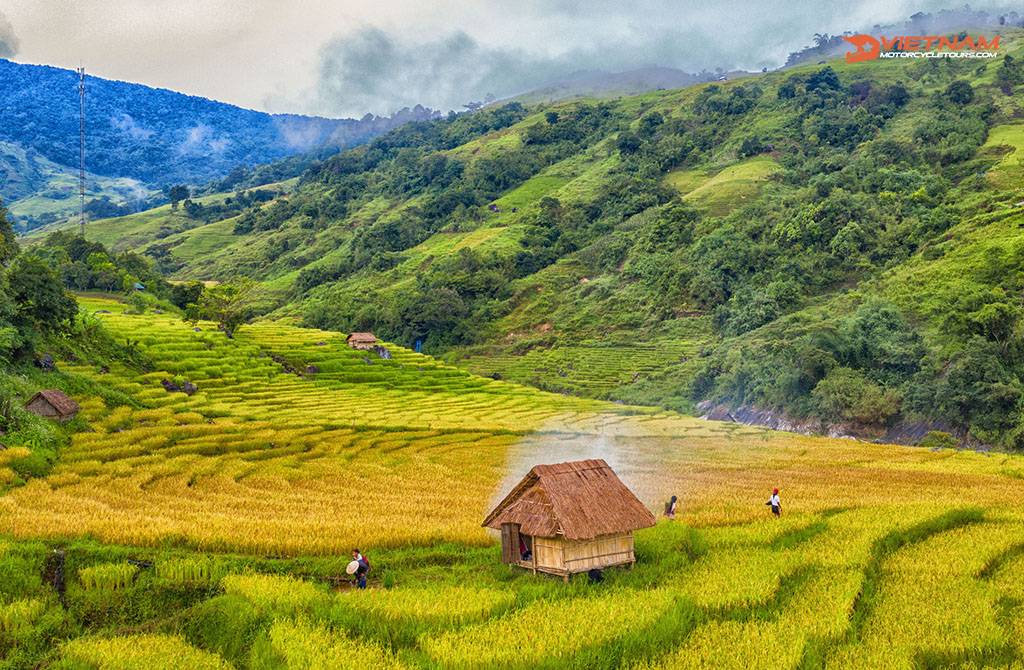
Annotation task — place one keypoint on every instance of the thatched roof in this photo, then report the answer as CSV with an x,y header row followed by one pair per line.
x,y
57,399
361,337
581,500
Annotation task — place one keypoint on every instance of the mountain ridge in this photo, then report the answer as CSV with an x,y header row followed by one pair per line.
x,y
155,136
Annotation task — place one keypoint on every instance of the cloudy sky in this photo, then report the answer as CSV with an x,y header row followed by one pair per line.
x,y
346,58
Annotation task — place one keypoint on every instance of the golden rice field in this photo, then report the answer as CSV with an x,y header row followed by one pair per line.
x,y
885,557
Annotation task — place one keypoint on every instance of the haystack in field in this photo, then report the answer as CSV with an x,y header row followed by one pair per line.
x,y
54,404
567,518
361,340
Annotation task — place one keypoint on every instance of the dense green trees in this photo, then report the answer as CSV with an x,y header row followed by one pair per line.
x,y
1010,72
41,300
227,305
176,194
960,92
82,265
34,304
848,395
406,163
853,368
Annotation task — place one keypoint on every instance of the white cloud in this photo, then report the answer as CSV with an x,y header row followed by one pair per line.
x,y
8,40
317,55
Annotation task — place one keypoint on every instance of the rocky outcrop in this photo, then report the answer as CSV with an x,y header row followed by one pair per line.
x,y
285,365
186,387
911,432
750,415
904,432
46,363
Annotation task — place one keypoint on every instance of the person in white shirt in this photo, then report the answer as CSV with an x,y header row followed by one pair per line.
x,y
774,502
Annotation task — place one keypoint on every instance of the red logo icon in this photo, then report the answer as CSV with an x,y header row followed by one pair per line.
x,y
867,48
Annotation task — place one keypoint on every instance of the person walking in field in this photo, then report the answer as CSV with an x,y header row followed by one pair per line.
x,y
774,502
670,509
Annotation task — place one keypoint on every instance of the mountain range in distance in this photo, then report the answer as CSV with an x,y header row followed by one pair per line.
x,y
141,139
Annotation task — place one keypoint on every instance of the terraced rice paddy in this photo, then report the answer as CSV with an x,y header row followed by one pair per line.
x,y
590,369
922,585
885,556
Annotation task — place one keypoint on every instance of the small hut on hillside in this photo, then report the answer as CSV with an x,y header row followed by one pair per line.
x,y
361,340
54,404
567,518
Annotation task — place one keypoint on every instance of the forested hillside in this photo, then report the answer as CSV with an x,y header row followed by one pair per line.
x,y
153,136
835,241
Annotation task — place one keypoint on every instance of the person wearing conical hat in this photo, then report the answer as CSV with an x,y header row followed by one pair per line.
x,y
359,567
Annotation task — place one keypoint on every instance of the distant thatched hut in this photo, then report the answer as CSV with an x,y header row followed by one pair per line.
x,y
54,404
570,517
361,340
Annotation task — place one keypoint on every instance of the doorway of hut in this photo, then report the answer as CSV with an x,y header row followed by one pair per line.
x,y
516,547
525,549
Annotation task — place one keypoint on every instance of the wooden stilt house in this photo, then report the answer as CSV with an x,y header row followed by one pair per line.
x,y
567,518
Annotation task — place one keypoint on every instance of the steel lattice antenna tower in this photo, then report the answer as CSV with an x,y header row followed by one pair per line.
x,y
81,151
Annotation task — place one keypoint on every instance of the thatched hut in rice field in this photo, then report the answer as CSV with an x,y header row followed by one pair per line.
x,y
361,341
53,404
567,518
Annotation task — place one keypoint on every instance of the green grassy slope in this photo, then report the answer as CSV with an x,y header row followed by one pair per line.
x,y
725,191
1007,142
37,188
139,230
524,235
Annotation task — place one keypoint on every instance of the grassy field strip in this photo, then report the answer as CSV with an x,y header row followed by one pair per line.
x,y
139,651
588,369
1010,168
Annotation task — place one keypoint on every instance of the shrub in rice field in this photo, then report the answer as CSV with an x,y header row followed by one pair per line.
x,y
108,576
